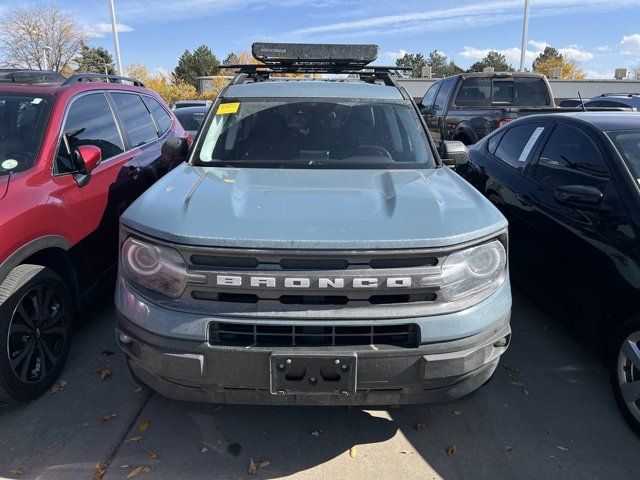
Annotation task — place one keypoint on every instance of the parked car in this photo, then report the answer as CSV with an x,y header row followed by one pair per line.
x,y
314,249
568,184
191,118
73,155
468,106
191,103
616,100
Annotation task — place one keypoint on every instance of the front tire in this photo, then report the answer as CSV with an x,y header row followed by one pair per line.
x,y
36,316
625,372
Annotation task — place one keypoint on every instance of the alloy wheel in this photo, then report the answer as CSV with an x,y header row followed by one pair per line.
x,y
628,369
37,334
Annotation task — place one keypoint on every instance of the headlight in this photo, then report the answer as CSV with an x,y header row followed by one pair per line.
x,y
155,267
473,270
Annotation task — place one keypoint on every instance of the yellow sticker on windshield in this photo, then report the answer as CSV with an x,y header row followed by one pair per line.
x,y
226,108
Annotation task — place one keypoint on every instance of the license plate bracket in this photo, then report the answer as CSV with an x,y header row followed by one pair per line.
x,y
314,374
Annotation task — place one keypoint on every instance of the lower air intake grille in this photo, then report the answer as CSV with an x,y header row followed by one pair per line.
x,y
249,334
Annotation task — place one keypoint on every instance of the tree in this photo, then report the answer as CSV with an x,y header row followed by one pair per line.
x,y
493,59
551,58
414,61
95,60
549,53
29,33
635,72
201,63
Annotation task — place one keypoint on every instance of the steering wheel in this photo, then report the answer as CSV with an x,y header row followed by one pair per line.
x,y
371,149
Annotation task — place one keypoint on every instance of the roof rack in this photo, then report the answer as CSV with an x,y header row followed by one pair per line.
x,y
620,94
25,76
300,58
88,77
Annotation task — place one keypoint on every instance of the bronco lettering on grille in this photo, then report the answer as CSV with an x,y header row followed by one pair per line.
x,y
305,283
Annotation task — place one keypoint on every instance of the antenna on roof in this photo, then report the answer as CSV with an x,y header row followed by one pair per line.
x,y
584,109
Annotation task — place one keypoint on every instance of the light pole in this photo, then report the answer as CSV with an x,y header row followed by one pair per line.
x,y
525,27
46,48
116,45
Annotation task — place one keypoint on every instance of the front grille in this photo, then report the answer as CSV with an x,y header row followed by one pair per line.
x,y
250,334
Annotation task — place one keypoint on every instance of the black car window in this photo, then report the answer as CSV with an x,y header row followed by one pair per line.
x,y
517,143
163,119
606,103
429,97
190,119
571,158
89,122
494,140
474,92
136,118
443,93
531,91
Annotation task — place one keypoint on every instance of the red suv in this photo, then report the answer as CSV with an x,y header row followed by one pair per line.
x,y
74,153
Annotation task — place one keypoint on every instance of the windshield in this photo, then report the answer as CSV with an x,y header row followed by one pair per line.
x,y
628,144
23,119
306,133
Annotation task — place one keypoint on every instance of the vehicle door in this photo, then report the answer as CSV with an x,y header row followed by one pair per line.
x,y
142,134
436,118
426,105
163,122
471,113
570,241
95,208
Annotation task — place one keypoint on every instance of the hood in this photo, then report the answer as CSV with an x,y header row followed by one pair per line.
x,y
313,208
4,185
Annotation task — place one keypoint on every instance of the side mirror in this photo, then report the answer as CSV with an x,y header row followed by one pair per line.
x,y
88,158
578,196
454,153
425,110
175,150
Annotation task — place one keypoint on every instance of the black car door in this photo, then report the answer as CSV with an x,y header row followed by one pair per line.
x,y
567,242
436,115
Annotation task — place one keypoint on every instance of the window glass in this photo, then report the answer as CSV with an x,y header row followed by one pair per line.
x,y
571,158
430,96
531,91
136,118
300,133
628,144
474,92
163,119
517,143
493,141
89,122
191,118
606,103
443,93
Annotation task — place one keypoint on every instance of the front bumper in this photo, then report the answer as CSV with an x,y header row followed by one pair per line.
x,y
197,371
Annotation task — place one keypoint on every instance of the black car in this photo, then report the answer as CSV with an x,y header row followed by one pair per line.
x,y
191,118
629,101
569,186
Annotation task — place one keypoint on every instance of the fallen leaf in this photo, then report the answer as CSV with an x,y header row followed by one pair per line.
x,y
147,469
316,433
457,412
421,426
352,452
16,471
517,384
525,391
135,438
152,455
204,449
263,463
508,448
58,387
138,389
407,452
218,408
220,441
106,417
125,465
562,449
104,372
452,450
136,471
252,467
143,426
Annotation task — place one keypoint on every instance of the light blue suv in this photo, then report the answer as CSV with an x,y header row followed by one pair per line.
x,y
313,248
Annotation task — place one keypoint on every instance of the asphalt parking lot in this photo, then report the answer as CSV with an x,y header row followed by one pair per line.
x,y
547,413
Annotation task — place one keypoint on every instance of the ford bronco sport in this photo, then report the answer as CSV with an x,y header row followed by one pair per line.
x,y
314,249
74,153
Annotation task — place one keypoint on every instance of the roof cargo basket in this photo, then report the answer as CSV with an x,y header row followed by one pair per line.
x,y
305,54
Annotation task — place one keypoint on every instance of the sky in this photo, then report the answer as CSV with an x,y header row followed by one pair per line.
x,y
600,35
